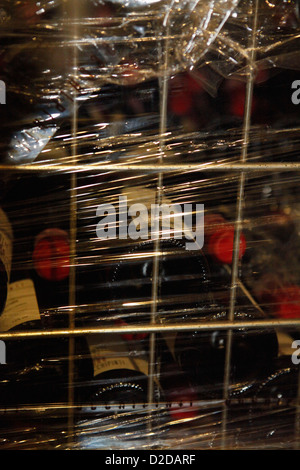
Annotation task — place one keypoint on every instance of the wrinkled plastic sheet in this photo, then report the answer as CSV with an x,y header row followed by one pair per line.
x,y
89,118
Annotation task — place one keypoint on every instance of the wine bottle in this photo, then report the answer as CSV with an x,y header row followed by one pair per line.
x,y
6,240
202,354
218,248
36,367
183,283
41,241
176,386
51,267
113,392
116,374
272,415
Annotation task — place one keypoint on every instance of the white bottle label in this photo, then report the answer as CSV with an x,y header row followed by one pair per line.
x,y
21,305
110,352
285,342
6,240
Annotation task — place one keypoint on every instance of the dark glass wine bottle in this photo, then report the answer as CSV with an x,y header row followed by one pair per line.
x,y
6,241
113,384
113,373
183,288
41,244
203,354
36,368
273,412
177,388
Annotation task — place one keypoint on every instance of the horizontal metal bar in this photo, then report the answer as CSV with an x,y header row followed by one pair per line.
x,y
151,328
152,167
92,408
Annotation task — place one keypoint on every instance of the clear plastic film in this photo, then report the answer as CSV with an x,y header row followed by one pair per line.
x,y
149,258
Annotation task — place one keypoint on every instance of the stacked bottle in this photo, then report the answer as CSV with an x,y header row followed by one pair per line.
x,y
6,241
36,368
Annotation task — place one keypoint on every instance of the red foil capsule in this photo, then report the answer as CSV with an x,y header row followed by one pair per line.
x,y
51,255
287,302
220,239
236,92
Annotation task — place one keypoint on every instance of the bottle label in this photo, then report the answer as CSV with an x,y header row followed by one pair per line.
x,y
110,352
21,305
285,342
6,239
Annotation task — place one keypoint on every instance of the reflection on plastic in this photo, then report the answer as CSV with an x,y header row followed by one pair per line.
x,y
144,101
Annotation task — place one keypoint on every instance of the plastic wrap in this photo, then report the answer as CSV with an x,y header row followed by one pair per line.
x,y
149,241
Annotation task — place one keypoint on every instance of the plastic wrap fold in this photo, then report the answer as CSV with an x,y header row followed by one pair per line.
x,y
149,239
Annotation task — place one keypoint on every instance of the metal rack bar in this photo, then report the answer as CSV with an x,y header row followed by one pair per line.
x,y
242,167
152,328
239,215
73,10
163,89
92,408
214,167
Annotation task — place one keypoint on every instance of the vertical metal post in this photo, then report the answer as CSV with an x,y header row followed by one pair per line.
x,y
239,215
163,92
73,12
